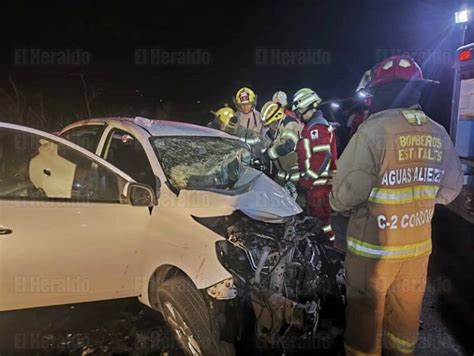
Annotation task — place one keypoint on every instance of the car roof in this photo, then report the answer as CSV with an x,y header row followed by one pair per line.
x,y
155,127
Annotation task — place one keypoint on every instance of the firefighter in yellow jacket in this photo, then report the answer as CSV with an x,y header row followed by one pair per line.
x,y
249,125
398,165
282,149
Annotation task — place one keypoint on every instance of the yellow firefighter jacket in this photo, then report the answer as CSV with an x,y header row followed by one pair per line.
x,y
283,149
398,165
251,121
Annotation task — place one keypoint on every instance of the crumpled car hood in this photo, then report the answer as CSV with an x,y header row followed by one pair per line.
x,y
255,194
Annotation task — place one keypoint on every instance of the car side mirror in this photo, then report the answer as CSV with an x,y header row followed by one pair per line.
x,y
141,195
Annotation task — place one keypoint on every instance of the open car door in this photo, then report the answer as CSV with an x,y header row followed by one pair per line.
x,y
68,230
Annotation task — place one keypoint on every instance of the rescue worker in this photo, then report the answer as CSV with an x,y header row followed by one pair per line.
x,y
281,98
282,149
317,154
398,165
224,119
358,115
249,126
274,114
247,116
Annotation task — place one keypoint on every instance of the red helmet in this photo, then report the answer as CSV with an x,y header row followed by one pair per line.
x,y
397,68
393,69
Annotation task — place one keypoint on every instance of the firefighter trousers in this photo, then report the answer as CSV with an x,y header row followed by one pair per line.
x,y
384,300
317,203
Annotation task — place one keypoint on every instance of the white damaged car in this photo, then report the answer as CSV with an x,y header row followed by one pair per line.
x,y
171,213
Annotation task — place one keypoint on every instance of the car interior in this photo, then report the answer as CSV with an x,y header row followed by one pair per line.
x,y
128,155
34,168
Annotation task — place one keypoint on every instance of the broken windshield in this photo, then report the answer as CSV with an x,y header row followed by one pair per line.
x,y
194,163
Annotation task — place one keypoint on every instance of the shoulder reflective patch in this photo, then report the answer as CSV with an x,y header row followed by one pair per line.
x,y
314,134
291,135
415,117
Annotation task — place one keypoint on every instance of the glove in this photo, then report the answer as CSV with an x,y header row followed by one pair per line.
x,y
301,190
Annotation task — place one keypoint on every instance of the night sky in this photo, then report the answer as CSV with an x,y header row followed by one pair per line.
x,y
349,35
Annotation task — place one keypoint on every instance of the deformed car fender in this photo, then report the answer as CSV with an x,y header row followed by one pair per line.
x,y
189,247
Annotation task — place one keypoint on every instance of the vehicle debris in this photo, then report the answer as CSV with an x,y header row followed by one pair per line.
x,y
284,270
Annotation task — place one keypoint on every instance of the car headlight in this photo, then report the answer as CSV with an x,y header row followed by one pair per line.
x,y
217,224
231,257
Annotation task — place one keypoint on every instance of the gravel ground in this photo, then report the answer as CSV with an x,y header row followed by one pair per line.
x,y
119,327
125,327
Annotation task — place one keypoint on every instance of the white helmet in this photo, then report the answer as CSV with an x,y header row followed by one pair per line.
x,y
281,98
305,99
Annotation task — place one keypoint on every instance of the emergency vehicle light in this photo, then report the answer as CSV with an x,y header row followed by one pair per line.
x,y
462,16
465,55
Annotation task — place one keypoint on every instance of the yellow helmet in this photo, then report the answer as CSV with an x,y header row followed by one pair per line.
x,y
245,96
272,112
225,115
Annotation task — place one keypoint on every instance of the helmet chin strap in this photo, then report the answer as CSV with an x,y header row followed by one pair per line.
x,y
306,111
246,112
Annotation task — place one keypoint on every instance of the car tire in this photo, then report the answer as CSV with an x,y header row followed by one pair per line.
x,y
184,310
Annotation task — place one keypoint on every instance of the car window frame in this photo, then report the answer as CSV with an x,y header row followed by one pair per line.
x,y
77,128
78,149
108,140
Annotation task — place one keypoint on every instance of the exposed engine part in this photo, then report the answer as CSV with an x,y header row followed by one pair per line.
x,y
277,279
273,311
224,290
263,260
286,271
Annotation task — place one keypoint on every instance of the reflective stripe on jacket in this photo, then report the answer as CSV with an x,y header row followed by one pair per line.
x,y
283,149
317,153
398,165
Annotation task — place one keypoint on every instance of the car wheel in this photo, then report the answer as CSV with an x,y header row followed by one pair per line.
x,y
186,313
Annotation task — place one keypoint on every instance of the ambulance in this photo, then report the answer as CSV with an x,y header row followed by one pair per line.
x,y
462,127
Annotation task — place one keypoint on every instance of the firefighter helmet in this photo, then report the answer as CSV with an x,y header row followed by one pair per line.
x,y
245,96
272,112
401,68
280,97
305,99
225,116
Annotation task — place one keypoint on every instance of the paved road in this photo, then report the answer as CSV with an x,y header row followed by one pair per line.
x,y
125,327
448,311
